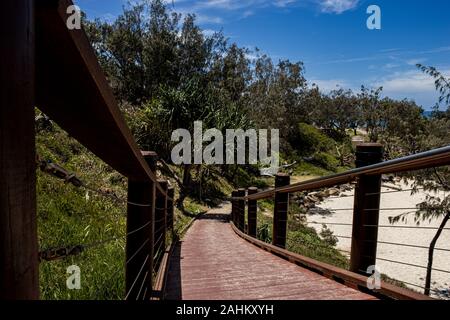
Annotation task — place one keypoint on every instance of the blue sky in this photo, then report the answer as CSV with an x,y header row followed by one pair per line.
x,y
331,38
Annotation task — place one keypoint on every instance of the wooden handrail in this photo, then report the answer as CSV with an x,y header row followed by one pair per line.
x,y
73,91
423,160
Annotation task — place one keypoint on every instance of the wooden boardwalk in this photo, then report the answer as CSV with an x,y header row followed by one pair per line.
x,y
214,263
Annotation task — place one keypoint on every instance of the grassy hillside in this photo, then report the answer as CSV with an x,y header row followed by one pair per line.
x,y
69,216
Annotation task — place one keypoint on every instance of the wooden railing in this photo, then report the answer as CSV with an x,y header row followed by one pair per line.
x,y
364,238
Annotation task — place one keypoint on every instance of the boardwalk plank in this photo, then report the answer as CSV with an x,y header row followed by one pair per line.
x,y
213,263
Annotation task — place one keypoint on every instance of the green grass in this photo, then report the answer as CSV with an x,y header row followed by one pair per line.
x,y
69,216
304,168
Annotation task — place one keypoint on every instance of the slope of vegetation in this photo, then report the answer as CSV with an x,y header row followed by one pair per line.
x,y
70,216
301,239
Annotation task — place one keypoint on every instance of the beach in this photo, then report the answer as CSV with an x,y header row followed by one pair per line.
x,y
412,276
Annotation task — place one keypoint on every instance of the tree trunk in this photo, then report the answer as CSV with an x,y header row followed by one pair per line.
x,y
431,252
186,185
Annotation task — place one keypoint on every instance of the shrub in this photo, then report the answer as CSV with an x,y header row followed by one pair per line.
x,y
263,233
309,140
328,236
326,161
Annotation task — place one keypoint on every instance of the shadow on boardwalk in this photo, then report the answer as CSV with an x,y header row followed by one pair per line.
x,y
213,263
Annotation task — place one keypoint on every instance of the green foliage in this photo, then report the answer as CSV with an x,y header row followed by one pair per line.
x,y
328,236
325,160
442,83
309,140
305,241
264,233
69,216
300,238
304,168
338,111
274,96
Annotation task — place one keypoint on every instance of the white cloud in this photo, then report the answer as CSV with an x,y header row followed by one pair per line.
x,y
203,18
407,82
283,3
247,13
391,65
337,6
413,62
230,4
411,84
208,32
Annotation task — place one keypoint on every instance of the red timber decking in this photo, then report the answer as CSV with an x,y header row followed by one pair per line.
x,y
213,263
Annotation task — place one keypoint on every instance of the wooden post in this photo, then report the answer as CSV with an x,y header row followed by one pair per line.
x,y
366,210
19,268
139,245
241,210
170,209
160,222
280,215
252,213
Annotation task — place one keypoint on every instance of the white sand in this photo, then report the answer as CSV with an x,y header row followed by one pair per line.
x,y
420,237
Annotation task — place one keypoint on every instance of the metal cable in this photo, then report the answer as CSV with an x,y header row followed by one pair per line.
x,y
344,237
128,261
140,228
57,171
410,264
330,223
142,285
407,245
403,227
72,250
422,287
158,242
137,277
394,191
159,230
137,251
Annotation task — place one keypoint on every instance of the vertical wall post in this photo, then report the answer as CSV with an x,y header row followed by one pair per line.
x,y
18,233
252,213
160,221
280,215
139,248
241,210
366,210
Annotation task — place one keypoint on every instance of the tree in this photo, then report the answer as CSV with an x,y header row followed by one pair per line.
x,y
435,179
276,91
337,112
371,113
168,74
441,83
402,127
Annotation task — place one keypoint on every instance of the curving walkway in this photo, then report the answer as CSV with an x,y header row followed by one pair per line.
x,y
214,263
